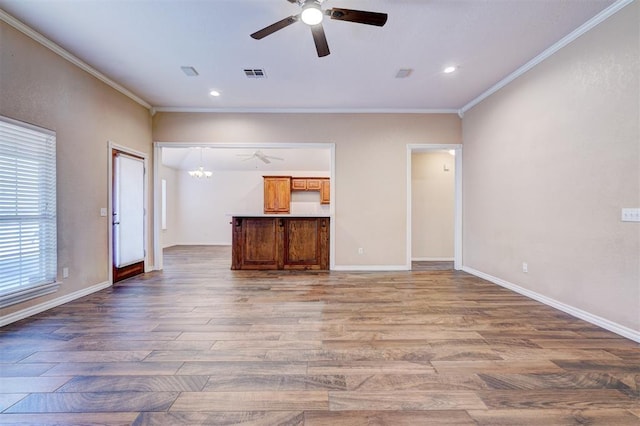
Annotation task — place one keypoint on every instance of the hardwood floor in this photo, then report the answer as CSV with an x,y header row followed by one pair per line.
x,y
201,344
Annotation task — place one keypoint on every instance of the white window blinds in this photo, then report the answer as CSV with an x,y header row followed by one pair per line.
x,y
28,264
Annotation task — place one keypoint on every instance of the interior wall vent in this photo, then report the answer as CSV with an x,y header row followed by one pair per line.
x,y
255,73
404,73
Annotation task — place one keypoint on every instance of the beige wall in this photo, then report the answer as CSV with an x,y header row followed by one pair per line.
x,y
432,205
549,161
371,169
39,87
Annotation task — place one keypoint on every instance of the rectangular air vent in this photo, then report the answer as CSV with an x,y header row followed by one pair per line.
x,y
404,73
255,73
189,71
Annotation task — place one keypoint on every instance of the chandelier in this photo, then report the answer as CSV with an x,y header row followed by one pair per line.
x,y
200,172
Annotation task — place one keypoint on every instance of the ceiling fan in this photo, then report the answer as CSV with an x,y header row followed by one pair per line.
x,y
260,156
312,15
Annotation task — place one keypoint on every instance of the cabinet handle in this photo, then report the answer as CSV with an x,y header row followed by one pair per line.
x,y
281,223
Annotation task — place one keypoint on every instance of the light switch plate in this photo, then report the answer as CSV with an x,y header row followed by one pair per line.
x,y
103,212
630,215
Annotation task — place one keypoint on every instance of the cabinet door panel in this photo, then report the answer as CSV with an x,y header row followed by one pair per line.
x,y
325,192
261,242
277,194
301,242
306,243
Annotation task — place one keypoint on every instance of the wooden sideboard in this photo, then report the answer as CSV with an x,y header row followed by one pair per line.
x,y
264,243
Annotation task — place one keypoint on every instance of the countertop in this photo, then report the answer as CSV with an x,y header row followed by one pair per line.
x,y
279,215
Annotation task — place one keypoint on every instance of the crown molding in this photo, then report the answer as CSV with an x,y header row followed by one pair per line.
x,y
28,31
591,23
307,110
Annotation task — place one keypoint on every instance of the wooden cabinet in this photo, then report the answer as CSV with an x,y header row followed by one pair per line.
x,y
256,243
277,191
325,191
298,184
306,243
313,184
264,243
277,194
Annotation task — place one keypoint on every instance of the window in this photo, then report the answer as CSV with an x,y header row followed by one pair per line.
x,y
28,263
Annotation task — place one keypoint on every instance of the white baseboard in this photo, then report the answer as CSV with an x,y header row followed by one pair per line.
x,y
24,313
371,268
578,313
432,259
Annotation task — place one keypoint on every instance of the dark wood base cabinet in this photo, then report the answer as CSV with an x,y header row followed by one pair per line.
x,y
263,243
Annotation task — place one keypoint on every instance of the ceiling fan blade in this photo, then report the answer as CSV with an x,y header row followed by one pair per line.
x,y
322,47
261,156
358,16
275,27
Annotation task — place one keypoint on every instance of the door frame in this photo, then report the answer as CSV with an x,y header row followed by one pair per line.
x,y
157,185
111,147
457,232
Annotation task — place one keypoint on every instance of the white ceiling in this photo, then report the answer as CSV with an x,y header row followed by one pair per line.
x,y
141,45
237,159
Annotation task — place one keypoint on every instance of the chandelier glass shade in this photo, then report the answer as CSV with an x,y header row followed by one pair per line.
x,y
200,172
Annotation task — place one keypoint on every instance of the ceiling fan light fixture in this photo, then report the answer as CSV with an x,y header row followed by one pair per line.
x,y
311,14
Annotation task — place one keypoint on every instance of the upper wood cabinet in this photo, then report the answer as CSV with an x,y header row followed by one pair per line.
x,y
298,184
277,191
321,184
277,194
313,184
325,191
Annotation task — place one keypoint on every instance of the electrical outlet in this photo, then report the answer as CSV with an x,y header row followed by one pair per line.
x,y
360,250
525,267
65,272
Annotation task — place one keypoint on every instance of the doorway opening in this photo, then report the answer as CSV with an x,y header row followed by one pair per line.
x,y
434,207
198,210
127,211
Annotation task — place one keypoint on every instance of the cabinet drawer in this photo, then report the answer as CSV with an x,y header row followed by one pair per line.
x,y
313,184
298,184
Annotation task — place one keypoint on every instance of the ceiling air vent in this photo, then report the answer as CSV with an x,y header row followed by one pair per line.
x,y
404,73
255,73
189,71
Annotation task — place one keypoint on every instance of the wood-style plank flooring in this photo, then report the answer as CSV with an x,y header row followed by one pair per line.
x,y
200,344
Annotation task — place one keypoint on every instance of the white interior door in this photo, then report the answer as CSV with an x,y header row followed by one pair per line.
x,y
128,210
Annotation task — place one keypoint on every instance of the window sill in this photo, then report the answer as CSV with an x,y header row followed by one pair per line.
x,y
23,295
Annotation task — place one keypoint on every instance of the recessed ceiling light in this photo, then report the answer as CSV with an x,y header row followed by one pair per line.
x,y
449,69
214,93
